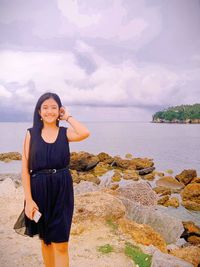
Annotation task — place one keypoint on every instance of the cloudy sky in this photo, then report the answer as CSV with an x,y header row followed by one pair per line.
x,y
113,60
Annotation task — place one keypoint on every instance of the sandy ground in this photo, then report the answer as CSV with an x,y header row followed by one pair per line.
x,y
17,250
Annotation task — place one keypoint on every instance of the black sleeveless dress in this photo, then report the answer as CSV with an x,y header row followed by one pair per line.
x,y
53,192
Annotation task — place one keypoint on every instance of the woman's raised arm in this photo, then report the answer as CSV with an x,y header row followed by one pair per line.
x,y
77,131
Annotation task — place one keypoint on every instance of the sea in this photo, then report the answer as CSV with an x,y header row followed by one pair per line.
x,y
172,147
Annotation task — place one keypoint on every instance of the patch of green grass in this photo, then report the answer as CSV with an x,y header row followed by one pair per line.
x,y
113,225
137,255
105,249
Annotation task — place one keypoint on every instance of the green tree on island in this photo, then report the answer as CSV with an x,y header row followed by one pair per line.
x,y
178,113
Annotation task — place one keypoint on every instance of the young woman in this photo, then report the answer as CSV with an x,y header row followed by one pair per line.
x,y
46,178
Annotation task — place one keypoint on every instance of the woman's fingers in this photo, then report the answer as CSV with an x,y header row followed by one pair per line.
x,y
36,206
30,212
62,110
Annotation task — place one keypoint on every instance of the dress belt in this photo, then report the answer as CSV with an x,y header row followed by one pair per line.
x,y
51,171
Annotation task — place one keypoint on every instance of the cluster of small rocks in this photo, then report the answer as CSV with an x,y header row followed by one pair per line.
x,y
133,205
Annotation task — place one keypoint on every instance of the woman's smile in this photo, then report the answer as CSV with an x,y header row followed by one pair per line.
x,y
49,110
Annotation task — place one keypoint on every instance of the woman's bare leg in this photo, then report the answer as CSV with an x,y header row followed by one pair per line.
x,y
48,254
61,254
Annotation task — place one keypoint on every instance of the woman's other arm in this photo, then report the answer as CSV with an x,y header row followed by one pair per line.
x,y
30,204
25,172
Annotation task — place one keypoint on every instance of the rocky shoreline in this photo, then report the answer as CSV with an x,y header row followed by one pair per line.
x,y
187,121
120,207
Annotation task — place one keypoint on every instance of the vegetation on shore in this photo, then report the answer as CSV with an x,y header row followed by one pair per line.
x,y
134,252
179,114
137,255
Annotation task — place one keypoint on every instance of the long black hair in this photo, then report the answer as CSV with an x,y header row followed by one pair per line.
x,y
37,123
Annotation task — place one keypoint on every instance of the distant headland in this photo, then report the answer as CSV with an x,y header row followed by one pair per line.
x,y
178,114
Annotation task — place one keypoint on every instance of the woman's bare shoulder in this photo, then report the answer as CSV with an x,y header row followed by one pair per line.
x,y
25,151
28,134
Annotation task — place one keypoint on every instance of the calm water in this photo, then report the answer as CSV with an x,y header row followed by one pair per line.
x,y
175,147
172,146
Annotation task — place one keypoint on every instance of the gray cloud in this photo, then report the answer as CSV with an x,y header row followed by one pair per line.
x,y
142,55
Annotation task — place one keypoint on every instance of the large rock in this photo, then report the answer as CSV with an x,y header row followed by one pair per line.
x,y
133,164
83,161
169,182
166,201
166,260
170,228
114,186
85,187
147,171
89,177
143,163
142,234
191,196
190,254
78,176
173,202
139,192
75,176
194,240
149,177
101,168
191,233
131,175
123,163
191,205
162,191
196,180
163,200
97,205
116,176
106,158
186,176
6,157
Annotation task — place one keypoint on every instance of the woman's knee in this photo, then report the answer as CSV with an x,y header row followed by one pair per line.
x,y
46,246
61,247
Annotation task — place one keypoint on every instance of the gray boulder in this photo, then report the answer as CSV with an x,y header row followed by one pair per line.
x,y
85,187
165,260
169,227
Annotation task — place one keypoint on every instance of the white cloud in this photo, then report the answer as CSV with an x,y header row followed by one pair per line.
x,y
110,21
47,70
24,95
122,84
71,10
4,93
82,47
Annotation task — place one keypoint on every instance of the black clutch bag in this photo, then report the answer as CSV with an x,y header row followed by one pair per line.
x,y
20,226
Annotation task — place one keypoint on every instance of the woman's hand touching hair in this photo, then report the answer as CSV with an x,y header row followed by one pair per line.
x,y
64,113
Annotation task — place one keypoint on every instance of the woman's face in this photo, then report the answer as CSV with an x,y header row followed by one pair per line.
x,y
49,111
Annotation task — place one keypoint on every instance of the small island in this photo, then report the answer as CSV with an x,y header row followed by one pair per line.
x,y
178,114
